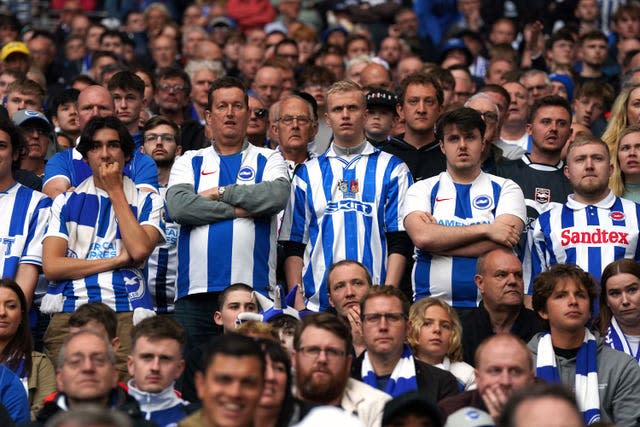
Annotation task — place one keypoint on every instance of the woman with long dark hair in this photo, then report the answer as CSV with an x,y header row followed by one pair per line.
x,y
16,346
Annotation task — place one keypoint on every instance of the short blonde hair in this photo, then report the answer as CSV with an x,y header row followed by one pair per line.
x,y
416,321
343,86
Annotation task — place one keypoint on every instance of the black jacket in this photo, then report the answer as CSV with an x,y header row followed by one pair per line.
x,y
477,327
119,399
434,383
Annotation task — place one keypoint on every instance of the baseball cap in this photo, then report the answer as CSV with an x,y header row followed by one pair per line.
x,y
382,98
469,417
13,47
411,403
22,117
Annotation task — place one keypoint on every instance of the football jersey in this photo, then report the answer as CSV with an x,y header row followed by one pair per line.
x,y
589,236
161,267
70,165
214,256
24,214
458,205
88,219
341,208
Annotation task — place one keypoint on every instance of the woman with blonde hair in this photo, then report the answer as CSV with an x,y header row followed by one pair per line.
x,y
625,158
624,113
435,335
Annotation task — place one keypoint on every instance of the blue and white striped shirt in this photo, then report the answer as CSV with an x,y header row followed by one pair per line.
x,y
162,265
589,236
24,214
458,205
213,256
88,222
341,208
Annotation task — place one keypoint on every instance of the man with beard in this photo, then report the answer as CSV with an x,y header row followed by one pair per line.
x,y
594,227
161,141
322,361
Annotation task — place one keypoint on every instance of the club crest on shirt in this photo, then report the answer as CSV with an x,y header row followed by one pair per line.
x,y
349,188
542,195
482,202
246,173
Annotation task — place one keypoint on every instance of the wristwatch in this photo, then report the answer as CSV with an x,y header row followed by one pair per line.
x,y
220,192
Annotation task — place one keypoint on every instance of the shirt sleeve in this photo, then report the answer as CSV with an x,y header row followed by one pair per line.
x,y
37,225
295,222
58,166
145,172
512,201
396,197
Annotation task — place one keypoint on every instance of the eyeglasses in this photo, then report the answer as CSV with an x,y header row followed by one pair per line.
x,y
313,352
288,120
167,87
489,116
375,318
164,137
260,113
96,359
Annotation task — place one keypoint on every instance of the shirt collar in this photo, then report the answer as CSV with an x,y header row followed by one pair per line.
x,y
605,203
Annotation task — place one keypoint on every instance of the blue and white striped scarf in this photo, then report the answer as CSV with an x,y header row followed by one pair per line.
x,y
616,340
586,388
403,377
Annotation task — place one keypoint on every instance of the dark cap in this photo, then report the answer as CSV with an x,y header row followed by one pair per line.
x,y
411,403
22,117
456,44
382,98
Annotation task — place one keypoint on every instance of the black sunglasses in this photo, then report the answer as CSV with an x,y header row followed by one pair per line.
x,y
260,113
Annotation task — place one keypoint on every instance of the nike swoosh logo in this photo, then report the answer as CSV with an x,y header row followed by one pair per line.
x,y
444,199
208,173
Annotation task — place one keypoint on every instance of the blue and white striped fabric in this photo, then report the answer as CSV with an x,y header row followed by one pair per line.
x,y
24,214
162,265
86,219
213,256
341,208
589,236
586,382
616,340
68,164
458,205
403,378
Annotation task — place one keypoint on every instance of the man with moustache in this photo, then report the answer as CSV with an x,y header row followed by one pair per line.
x,y
322,360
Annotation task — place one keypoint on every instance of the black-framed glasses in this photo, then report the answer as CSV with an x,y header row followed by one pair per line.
x,y
260,113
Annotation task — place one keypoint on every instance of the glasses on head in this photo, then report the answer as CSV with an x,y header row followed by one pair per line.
x,y
164,137
375,318
288,120
489,116
260,113
168,87
313,352
96,359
